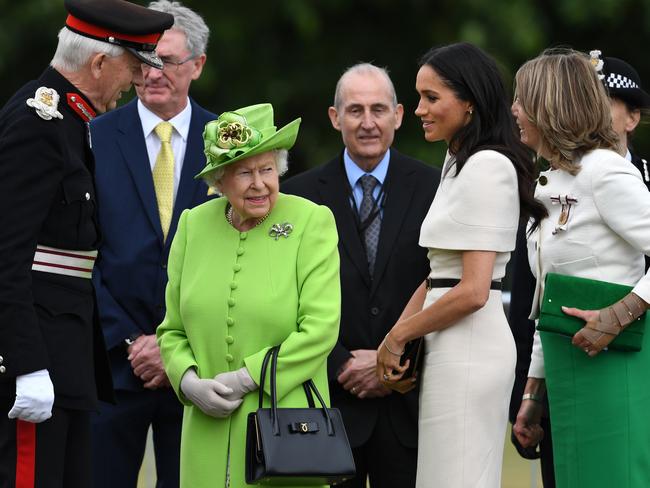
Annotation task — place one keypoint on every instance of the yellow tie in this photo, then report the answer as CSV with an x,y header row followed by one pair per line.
x,y
163,176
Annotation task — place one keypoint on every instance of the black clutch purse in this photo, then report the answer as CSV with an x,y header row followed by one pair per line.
x,y
296,446
414,351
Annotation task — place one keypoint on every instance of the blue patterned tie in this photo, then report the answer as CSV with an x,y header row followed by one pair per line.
x,y
371,232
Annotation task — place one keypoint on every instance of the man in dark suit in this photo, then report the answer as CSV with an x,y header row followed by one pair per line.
x,y
145,179
53,365
379,198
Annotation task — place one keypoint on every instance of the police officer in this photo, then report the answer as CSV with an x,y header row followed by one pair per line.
x,y
53,366
627,99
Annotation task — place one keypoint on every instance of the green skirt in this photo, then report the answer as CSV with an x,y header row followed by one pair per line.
x,y
600,414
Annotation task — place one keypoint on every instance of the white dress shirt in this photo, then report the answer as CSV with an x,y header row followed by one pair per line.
x,y
181,125
354,174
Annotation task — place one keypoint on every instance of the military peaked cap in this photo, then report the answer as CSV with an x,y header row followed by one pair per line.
x,y
122,23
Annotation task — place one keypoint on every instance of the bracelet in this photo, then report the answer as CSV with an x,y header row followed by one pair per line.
x,y
532,396
388,348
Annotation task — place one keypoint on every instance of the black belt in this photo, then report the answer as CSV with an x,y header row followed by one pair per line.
x,y
451,282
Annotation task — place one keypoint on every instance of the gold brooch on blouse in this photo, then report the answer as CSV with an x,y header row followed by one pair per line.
x,y
567,202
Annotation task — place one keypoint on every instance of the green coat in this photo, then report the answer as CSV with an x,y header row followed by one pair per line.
x,y
231,296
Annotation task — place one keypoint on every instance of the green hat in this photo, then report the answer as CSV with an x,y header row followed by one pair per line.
x,y
244,133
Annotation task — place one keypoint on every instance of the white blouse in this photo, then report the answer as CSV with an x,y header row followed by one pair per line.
x,y
598,227
477,209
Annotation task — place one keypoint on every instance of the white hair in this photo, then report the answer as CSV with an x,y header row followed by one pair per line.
x,y
281,165
188,22
74,50
363,69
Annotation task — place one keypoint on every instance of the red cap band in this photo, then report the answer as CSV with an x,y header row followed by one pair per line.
x,y
102,33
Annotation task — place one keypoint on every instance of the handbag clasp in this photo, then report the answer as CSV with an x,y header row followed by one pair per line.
x,y
303,427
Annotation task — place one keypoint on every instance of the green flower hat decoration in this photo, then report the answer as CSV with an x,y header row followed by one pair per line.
x,y
243,133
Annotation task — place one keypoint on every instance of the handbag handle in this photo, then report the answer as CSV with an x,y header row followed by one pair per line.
x,y
309,387
265,362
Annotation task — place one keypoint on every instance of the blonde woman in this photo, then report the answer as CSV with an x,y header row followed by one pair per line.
x,y
599,228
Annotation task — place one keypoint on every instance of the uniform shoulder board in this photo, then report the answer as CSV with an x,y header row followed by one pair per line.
x,y
45,102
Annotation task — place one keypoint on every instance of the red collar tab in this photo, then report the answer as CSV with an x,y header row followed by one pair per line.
x,y
81,107
91,30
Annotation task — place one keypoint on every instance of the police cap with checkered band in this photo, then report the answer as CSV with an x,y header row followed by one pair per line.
x,y
623,82
133,27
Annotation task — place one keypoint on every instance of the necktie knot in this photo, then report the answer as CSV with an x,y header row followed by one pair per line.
x,y
164,131
368,183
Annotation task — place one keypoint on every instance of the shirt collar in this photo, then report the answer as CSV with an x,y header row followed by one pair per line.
x,y
354,172
180,122
628,155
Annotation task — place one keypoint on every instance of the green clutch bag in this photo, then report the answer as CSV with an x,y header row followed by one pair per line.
x,y
570,291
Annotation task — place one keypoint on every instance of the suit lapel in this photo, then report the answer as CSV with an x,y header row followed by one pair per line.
x,y
193,163
400,184
134,150
334,193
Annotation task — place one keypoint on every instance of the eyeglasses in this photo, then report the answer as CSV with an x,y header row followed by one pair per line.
x,y
169,65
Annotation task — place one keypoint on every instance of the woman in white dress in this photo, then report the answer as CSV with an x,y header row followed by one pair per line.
x,y
470,230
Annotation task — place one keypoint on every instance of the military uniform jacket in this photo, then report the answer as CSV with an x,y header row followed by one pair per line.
x,y
47,321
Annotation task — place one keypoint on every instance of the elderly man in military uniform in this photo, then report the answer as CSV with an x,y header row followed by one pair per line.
x,y
53,366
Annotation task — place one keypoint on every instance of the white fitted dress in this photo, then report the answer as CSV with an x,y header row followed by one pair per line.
x,y
469,367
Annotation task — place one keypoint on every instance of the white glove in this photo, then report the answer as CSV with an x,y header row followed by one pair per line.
x,y
239,381
208,395
34,397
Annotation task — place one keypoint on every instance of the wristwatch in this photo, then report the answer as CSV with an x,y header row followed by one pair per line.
x,y
131,339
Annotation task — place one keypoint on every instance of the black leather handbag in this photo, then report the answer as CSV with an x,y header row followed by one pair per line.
x,y
295,446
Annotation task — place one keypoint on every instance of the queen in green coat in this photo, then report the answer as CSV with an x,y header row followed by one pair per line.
x,y
247,271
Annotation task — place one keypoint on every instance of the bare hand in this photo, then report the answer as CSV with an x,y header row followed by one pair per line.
x,y
527,427
578,339
389,370
358,376
146,362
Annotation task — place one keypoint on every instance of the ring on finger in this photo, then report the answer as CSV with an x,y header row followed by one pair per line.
x,y
353,390
385,377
